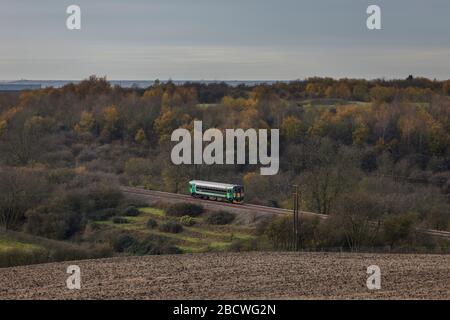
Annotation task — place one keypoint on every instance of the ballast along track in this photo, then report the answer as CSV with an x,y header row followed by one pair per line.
x,y
238,208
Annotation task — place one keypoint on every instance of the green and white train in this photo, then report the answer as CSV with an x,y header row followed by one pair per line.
x,y
232,193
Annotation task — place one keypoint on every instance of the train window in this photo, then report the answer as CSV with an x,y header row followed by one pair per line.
x,y
210,189
240,190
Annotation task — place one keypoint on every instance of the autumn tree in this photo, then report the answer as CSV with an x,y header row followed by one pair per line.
x,y
112,124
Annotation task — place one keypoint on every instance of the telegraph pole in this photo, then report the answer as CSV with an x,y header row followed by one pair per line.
x,y
296,220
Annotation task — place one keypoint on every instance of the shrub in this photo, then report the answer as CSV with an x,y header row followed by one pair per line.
x,y
241,245
171,227
104,197
220,218
187,221
123,242
119,220
279,232
101,215
183,209
54,225
398,228
135,203
131,212
154,245
151,223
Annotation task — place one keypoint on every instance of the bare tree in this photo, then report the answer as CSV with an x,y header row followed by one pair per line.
x,y
20,190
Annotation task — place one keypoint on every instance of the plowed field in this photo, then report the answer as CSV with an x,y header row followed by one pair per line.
x,y
262,275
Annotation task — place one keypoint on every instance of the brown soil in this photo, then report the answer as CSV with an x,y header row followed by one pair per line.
x,y
262,275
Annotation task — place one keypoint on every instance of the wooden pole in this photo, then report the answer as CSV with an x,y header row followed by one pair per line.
x,y
295,219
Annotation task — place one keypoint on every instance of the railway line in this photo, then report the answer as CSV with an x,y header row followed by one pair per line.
x,y
257,211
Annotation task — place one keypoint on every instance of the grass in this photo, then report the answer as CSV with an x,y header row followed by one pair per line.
x,y
153,212
7,244
18,248
198,238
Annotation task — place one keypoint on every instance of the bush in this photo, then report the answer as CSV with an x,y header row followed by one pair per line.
x,y
103,197
279,232
123,242
241,245
135,203
399,228
183,209
220,218
171,227
154,245
187,221
101,215
151,223
119,220
54,225
131,212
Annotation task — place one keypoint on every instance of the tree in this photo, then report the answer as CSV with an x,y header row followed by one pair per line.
x,y
112,124
361,92
3,127
446,87
138,171
398,228
20,190
140,137
26,138
330,172
358,215
86,123
291,128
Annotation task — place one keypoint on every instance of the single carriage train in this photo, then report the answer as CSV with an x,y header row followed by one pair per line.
x,y
232,193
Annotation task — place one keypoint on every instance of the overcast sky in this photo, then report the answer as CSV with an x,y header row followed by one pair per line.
x,y
224,40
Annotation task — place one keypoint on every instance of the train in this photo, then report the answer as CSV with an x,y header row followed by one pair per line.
x,y
232,193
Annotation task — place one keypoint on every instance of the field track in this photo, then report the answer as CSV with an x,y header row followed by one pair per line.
x,y
255,275
255,211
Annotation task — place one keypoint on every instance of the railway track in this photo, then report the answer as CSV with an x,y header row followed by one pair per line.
x,y
239,208
161,195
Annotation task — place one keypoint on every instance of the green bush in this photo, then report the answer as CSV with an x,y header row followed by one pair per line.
x,y
119,220
123,242
220,218
152,223
187,221
171,227
184,209
131,212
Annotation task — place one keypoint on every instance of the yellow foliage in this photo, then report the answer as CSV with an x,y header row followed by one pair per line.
x,y
86,123
80,170
3,127
291,127
140,136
